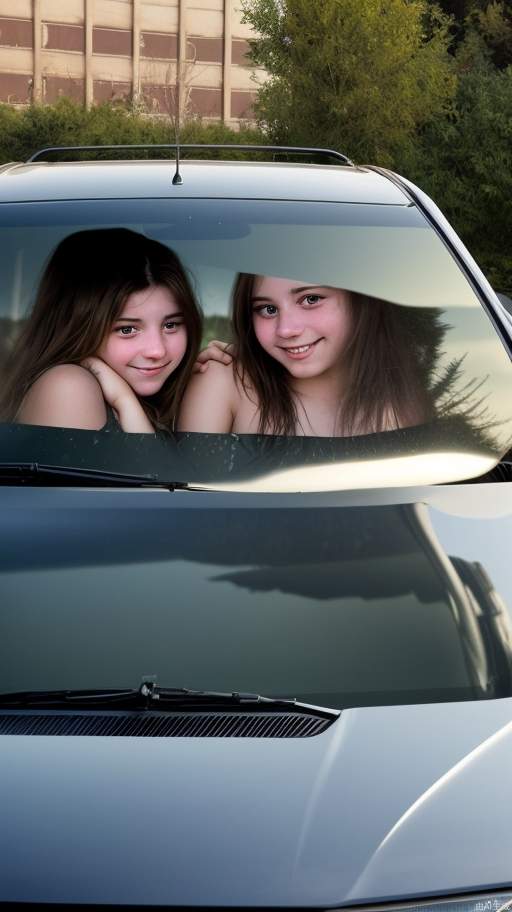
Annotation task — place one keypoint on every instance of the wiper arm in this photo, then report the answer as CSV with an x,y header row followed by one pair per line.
x,y
42,473
147,696
151,692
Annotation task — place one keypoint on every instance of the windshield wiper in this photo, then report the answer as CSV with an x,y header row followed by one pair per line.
x,y
147,696
35,473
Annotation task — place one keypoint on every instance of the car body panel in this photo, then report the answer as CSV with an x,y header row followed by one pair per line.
x,y
365,812
369,810
236,180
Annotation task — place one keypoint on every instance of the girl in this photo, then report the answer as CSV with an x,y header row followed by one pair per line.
x,y
119,296
317,361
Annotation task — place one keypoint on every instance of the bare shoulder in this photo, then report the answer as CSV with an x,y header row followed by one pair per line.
x,y
220,373
65,379
66,395
210,401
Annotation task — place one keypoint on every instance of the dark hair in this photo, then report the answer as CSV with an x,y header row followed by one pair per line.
x,y
391,354
82,291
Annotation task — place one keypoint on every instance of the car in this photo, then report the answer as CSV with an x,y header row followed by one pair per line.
x,y
261,670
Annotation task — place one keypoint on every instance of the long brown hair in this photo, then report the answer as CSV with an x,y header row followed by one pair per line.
x,y
81,293
391,356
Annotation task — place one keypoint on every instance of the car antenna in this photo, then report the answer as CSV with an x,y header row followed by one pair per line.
x,y
177,179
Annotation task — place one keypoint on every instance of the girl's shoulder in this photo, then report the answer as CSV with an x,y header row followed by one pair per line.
x,y
231,379
67,379
212,400
66,395
217,380
72,373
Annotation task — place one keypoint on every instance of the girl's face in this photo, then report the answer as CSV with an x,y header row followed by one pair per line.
x,y
147,340
304,327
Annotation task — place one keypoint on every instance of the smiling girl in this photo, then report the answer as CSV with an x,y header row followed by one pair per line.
x,y
313,360
107,297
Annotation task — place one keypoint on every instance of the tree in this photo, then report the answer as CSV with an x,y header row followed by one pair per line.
x,y
491,19
494,24
361,76
465,161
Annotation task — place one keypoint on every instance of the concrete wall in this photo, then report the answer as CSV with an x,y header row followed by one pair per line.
x,y
110,50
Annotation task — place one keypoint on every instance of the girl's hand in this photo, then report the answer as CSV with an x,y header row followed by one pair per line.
x,y
114,388
214,351
119,394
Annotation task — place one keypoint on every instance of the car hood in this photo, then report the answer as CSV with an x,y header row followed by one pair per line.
x,y
386,804
389,802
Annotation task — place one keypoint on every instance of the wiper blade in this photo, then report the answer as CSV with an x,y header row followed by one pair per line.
x,y
59,697
42,473
147,696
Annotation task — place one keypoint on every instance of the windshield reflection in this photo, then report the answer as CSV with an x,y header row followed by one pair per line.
x,y
335,606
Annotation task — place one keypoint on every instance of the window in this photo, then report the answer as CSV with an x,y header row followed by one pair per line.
x,y
458,420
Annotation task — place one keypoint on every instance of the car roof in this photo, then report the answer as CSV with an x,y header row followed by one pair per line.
x,y
41,181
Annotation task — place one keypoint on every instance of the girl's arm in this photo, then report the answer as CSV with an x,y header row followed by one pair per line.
x,y
120,396
209,404
64,396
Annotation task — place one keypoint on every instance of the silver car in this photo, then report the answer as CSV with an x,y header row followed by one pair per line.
x,y
261,670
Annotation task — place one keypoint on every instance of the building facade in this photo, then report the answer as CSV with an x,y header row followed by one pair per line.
x,y
129,50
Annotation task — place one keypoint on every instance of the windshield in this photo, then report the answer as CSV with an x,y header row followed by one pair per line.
x,y
343,607
362,354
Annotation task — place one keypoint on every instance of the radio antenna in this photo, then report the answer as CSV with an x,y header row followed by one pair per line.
x,y
177,179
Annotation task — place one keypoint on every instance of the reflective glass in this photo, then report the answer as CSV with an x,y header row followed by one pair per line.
x,y
386,253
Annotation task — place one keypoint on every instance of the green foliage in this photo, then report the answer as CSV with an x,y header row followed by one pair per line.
x,y
65,123
465,162
494,25
491,19
195,132
357,75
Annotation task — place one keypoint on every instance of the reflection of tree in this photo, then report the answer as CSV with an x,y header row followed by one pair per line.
x,y
452,392
392,576
456,395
